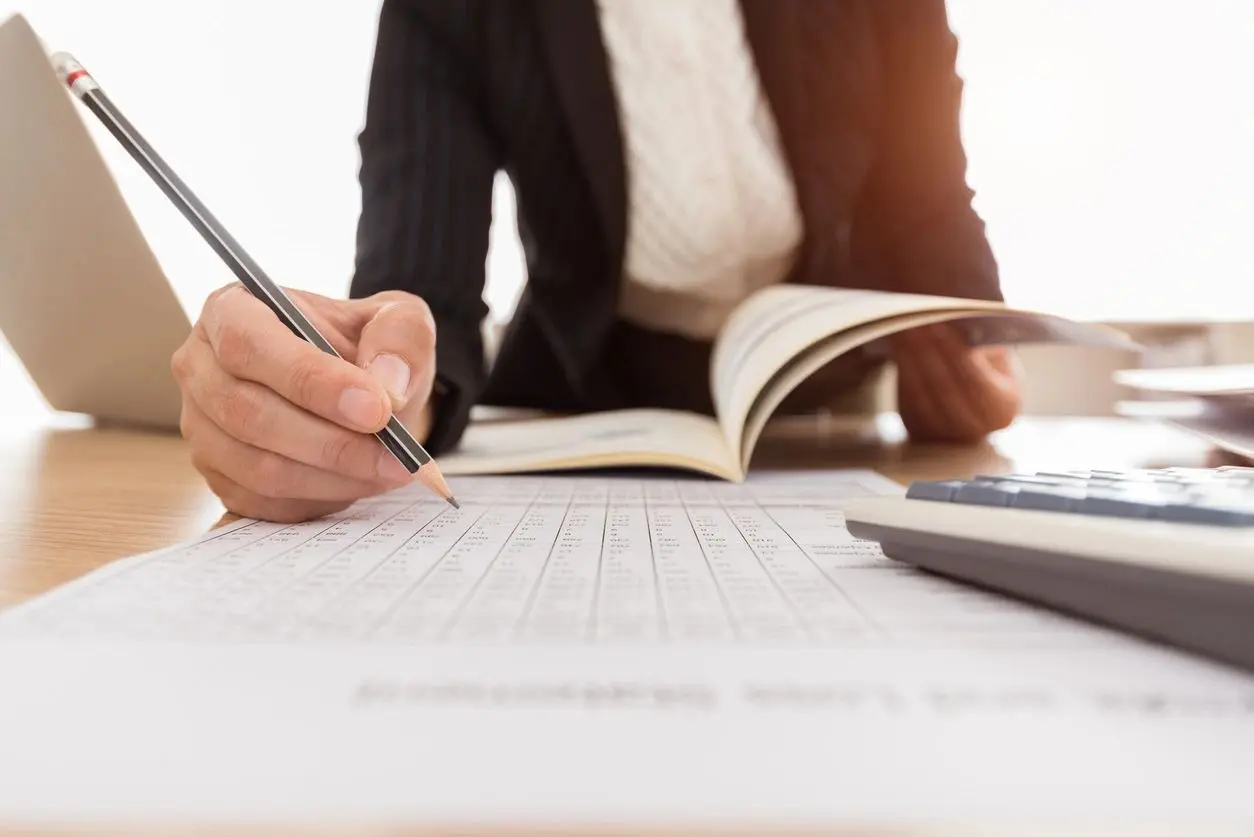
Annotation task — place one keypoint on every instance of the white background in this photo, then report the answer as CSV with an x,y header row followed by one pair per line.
x,y
1110,141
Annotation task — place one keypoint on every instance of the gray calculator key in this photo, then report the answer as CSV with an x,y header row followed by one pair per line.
x,y
1038,479
1121,503
1183,495
1191,513
943,490
986,494
1060,498
1119,476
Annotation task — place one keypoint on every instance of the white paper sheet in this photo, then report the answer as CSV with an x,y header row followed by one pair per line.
x,y
564,560
525,559
585,651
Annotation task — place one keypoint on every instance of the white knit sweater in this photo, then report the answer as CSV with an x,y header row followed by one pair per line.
x,y
712,214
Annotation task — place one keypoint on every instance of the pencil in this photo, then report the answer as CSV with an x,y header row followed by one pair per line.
x,y
395,437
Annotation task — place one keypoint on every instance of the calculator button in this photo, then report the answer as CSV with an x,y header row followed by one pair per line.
x,y
1218,515
943,490
1060,498
1121,503
1183,495
986,494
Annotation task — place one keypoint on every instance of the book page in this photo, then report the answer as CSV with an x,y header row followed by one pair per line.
x,y
619,438
997,328
780,322
793,374
563,653
776,327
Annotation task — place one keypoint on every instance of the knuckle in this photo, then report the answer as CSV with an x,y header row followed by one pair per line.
x,y
218,293
268,475
414,310
424,336
236,347
240,414
425,316
306,379
394,295
422,309
181,364
210,311
346,453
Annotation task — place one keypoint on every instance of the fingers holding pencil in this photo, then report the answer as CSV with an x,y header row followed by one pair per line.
x,y
264,412
292,373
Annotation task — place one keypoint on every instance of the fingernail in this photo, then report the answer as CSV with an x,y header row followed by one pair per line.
x,y
362,407
392,470
392,372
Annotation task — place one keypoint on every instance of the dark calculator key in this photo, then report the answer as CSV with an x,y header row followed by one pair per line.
x,y
1037,479
1184,495
1139,504
1057,499
943,490
1120,476
1215,515
986,494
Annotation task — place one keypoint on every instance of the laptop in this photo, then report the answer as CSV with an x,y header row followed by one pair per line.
x,y
84,303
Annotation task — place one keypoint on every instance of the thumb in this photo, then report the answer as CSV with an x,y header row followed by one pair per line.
x,y
397,347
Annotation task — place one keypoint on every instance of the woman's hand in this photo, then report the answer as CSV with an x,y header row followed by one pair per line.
x,y
282,431
948,391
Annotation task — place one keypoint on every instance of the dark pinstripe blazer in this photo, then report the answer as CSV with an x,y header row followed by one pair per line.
x,y
864,92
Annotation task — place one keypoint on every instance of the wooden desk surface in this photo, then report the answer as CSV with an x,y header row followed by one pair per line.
x,y
74,499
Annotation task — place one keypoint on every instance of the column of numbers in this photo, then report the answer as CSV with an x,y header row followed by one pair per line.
x,y
433,604
759,611
501,598
820,532
626,606
691,600
373,574
562,606
826,611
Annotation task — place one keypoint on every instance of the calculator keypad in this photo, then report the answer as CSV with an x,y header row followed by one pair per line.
x,y
1216,496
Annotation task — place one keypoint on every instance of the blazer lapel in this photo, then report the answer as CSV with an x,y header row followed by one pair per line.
x,y
571,33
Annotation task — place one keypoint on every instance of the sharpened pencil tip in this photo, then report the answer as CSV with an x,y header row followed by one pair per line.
x,y
430,476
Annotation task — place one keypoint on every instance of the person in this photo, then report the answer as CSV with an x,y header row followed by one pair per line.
x,y
668,158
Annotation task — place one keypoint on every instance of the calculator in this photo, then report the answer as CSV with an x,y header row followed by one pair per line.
x,y
1167,554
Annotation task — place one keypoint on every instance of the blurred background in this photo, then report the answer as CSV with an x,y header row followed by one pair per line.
x,y
1110,145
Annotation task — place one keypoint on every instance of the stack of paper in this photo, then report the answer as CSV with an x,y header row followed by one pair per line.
x,y
1215,403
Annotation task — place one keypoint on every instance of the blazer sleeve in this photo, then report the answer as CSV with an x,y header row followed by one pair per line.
x,y
915,223
426,175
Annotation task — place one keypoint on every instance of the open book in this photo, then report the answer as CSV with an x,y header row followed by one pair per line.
x,y
769,346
